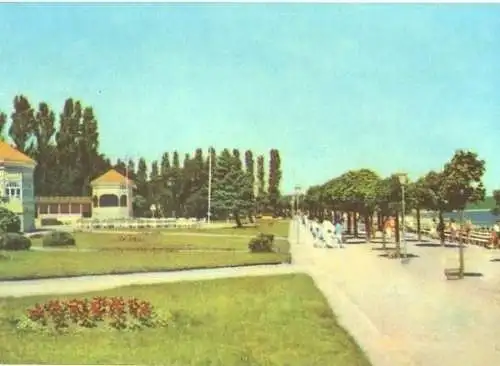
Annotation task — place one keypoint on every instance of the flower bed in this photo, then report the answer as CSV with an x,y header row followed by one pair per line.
x,y
111,312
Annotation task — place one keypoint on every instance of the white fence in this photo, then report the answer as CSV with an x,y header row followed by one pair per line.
x,y
139,223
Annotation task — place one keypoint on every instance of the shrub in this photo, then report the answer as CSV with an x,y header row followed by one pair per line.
x,y
50,221
14,241
261,243
58,238
9,221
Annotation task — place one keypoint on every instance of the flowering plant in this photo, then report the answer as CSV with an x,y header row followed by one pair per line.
x,y
115,312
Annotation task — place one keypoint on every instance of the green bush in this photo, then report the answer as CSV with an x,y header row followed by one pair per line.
x,y
261,243
58,239
14,241
50,221
9,221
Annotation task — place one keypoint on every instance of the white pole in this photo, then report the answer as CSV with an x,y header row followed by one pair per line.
x,y
127,186
403,221
209,183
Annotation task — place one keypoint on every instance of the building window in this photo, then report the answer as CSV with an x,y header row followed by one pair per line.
x,y
108,200
123,201
13,190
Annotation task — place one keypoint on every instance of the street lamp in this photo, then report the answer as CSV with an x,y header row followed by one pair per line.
x,y
403,180
297,195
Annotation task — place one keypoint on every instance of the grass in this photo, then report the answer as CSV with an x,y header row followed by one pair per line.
x,y
24,265
276,320
155,253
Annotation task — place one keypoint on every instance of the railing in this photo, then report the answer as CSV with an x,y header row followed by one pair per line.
x,y
476,237
140,223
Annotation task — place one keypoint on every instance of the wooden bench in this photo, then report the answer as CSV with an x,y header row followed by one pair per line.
x,y
452,273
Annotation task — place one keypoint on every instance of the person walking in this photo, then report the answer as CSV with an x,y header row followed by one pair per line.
x,y
339,230
453,231
496,231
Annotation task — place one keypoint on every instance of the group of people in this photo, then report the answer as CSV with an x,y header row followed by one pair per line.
x,y
329,234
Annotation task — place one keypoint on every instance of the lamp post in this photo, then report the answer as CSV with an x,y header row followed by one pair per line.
x,y
461,261
209,203
297,196
403,180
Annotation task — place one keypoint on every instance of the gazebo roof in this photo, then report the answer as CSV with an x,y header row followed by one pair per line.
x,y
10,154
111,177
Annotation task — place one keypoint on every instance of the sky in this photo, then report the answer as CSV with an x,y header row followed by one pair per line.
x,y
334,87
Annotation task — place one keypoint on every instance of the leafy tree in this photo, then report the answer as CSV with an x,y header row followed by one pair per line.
x,y
496,210
237,159
141,181
21,128
9,221
250,169
274,178
417,198
130,170
3,122
88,150
261,184
165,164
462,182
154,186
357,191
44,151
176,184
68,167
121,167
230,193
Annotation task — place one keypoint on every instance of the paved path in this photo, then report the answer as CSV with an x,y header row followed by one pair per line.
x,y
409,314
81,284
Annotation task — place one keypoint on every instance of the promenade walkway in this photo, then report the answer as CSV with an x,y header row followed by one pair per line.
x,y
408,314
74,285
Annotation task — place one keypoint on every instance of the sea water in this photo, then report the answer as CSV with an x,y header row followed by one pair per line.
x,y
478,217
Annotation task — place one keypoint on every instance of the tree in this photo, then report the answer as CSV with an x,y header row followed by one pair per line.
x,y
230,193
357,191
141,181
237,159
3,122
67,148
496,196
21,128
274,178
43,151
154,186
88,150
417,199
250,169
462,181
9,221
261,184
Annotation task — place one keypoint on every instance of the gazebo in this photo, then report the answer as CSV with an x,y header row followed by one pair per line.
x,y
112,195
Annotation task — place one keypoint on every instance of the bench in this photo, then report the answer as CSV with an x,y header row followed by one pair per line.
x,y
452,273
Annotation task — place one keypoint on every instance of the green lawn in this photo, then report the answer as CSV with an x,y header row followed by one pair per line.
x,y
278,320
56,264
154,253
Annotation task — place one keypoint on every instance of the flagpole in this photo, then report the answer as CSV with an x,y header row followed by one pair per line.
x,y
209,183
127,186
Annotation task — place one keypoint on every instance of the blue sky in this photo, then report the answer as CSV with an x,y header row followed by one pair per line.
x,y
333,87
